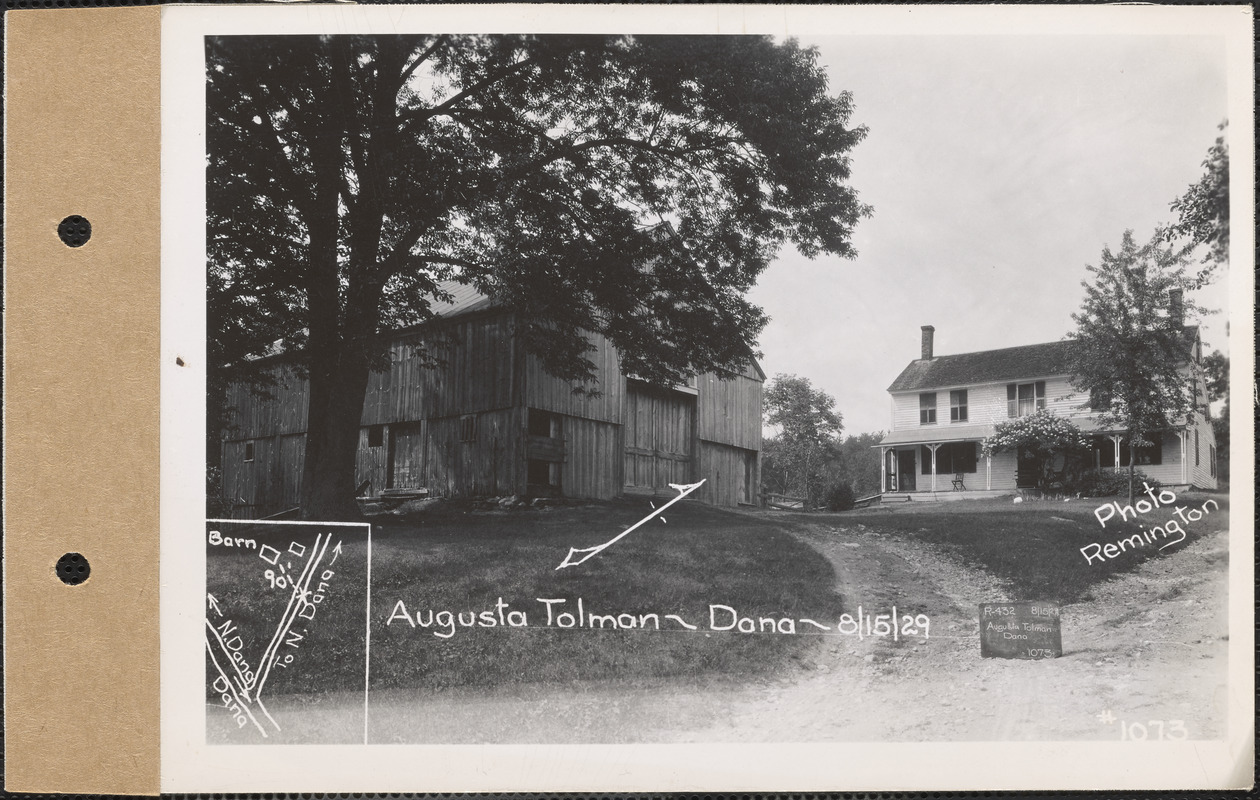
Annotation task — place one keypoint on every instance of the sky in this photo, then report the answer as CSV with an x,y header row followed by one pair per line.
x,y
998,168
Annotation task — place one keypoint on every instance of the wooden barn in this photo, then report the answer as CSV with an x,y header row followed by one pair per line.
x,y
491,422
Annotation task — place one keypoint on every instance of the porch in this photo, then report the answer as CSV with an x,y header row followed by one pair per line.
x,y
936,465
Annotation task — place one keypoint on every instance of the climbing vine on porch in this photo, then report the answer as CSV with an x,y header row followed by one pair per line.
x,y
1058,447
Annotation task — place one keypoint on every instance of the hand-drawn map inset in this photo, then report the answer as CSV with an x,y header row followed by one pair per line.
x,y
286,632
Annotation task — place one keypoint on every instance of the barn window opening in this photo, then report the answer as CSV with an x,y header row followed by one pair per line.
x,y
376,436
468,428
249,451
539,473
543,423
927,408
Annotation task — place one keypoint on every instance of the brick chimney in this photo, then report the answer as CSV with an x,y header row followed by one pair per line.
x,y
1176,310
928,333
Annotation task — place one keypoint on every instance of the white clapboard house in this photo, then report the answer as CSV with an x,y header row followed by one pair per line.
x,y
944,406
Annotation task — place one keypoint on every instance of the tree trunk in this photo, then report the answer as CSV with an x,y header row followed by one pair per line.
x,y
1133,460
338,386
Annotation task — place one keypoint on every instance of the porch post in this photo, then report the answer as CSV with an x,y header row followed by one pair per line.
x,y
988,471
933,448
1184,436
883,470
1115,438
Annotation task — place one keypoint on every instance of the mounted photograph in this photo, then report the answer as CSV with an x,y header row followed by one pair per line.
x,y
612,384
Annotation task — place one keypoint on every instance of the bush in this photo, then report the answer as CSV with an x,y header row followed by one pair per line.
x,y
840,497
1107,482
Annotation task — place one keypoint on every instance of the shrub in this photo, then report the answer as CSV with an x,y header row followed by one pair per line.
x,y
840,497
1107,482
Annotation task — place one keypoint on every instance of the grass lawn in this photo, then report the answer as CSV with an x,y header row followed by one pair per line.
x,y
1036,546
455,559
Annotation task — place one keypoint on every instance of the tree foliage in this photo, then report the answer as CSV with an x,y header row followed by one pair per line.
x,y
1203,211
350,176
1132,350
1216,376
799,457
1055,444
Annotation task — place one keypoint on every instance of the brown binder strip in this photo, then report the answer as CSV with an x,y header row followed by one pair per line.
x,y
81,401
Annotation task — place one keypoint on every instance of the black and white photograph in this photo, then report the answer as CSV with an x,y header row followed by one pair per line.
x,y
806,387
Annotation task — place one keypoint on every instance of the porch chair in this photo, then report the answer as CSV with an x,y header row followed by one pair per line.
x,y
959,486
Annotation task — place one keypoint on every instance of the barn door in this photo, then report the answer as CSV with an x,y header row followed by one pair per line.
x,y
406,456
658,433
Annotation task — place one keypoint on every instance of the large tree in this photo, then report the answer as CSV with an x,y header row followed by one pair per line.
x,y
805,449
349,176
1133,350
1203,211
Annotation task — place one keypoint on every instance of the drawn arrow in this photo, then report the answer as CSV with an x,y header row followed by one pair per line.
x,y
587,552
336,552
214,605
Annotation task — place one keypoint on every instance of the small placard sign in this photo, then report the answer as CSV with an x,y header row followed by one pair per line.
x,y
1020,630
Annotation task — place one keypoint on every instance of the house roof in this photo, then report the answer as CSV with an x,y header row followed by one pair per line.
x,y
994,366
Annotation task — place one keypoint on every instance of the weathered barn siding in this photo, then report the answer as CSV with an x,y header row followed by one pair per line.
x,y
731,474
629,437
371,464
552,394
268,411
478,374
658,431
490,464
407,450
729,412
593,459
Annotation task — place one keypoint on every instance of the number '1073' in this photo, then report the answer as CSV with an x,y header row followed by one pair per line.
x,y
1156,729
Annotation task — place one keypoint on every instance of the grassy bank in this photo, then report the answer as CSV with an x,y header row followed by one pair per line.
x,y
467,562
1037,546
480,566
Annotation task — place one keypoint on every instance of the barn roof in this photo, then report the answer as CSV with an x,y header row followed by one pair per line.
x,y
994,366
465,299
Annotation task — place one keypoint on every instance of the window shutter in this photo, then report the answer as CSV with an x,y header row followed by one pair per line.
x,y
1010,400
1041,394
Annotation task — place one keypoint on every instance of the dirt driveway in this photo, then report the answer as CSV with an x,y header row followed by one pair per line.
x,y
1150,647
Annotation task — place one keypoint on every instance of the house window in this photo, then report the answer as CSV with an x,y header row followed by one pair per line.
x,y
249,451
1105,452
376,436
958,405
951,458
1023,399
468,428
927,408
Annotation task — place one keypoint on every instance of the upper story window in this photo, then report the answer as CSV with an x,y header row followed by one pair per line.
x,y
468,428
1023,399
927,408
958,405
